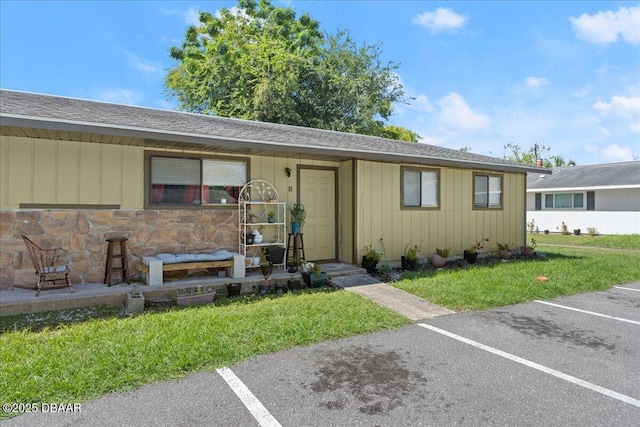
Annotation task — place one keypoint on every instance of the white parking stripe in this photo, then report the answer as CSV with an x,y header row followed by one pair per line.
x,y
558,374
252,403
588,312
627,289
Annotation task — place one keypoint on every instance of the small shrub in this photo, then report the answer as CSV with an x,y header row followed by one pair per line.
x,y
444,253
372,254
592,231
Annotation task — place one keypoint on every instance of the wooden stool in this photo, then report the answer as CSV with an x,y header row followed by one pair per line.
x,y
295,249
124,261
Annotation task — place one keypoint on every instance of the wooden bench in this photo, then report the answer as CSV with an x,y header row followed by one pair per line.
x,y
154,269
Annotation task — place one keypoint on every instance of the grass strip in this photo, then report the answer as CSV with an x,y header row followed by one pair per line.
x,y
482,287
629,241
71,363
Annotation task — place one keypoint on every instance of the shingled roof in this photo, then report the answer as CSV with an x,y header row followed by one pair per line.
x,y
609,175
62,117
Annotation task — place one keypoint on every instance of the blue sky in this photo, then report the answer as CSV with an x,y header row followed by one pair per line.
x,y
483,74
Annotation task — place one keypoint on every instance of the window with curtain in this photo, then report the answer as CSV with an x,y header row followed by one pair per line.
x,y
487,191
564,201
195,181
420,188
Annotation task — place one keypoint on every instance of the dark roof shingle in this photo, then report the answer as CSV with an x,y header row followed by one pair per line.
x,y
29,109
588,176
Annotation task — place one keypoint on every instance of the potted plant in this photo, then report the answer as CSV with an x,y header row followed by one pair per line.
x,y
297,214
294,284
576,231
370,259
315,277
528,249
267,268
271,217
195,296
471,254
233,289
563,228
275,254
410,258
503,251
252,218
439,258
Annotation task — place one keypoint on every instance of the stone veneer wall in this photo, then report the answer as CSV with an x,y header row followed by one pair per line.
x,y
82,234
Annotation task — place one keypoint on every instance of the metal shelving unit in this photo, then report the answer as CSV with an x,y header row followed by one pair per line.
x,y
258,198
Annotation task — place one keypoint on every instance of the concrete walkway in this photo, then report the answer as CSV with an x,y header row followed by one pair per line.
x,y
349,277
409,305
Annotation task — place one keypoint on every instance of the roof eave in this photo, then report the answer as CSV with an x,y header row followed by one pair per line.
x,y
591,188
249,144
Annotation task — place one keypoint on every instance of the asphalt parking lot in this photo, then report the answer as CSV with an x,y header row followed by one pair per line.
x,y
570,361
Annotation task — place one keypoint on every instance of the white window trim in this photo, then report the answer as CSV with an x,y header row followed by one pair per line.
x,y
572,208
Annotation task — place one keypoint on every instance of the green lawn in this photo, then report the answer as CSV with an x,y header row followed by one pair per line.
x,y
630,241
485,286
71,363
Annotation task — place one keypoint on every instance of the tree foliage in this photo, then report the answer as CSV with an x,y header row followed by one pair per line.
x,y
261,62
517,154
401,133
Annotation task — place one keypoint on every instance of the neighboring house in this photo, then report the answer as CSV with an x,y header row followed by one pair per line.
x,y
76,171
606,197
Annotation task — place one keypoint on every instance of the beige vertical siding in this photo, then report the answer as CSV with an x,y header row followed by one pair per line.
x,y
456,225
345,212
272,169
65,172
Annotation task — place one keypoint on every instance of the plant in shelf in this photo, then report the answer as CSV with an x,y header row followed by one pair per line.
x,y
314,277
271,217
298,214
439,258
370,259
252,218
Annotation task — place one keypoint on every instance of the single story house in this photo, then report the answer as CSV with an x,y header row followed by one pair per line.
x,y
75,172
605,197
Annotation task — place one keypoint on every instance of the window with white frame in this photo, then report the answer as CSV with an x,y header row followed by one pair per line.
x,y
195,181
420,188
564,201
487,191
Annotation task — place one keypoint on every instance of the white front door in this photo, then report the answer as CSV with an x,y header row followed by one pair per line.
x,y
318,195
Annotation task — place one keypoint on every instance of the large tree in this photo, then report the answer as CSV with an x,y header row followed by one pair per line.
x,y
261,62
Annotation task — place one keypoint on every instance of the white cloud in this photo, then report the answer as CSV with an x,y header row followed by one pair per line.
x,y
121,96
141,65
192,17
621,107
615,153
456,113
440,20
535,82
421,103
609,26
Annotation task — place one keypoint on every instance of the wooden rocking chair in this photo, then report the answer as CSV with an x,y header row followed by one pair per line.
x,y
50,266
